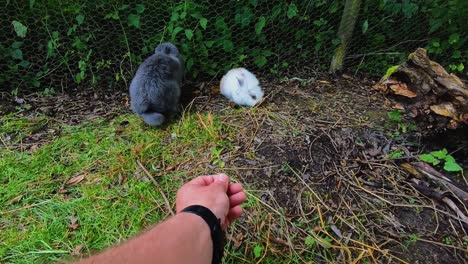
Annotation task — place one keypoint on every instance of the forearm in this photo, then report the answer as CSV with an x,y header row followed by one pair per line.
x,y
184,238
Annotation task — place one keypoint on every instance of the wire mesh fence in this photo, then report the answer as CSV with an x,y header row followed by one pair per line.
x,y
61,44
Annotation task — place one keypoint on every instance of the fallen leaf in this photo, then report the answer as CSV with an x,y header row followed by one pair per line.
x,y
73,223
77,250
75,180
445,109
402,89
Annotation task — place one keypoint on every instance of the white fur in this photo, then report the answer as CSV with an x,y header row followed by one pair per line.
x,y
242,87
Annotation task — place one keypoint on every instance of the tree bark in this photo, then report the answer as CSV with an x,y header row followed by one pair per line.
x,y
345,33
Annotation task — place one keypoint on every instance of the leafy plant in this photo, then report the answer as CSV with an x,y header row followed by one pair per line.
x,y
436,157
217,157
258,250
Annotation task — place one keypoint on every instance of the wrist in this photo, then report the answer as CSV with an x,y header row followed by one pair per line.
x,y
214,225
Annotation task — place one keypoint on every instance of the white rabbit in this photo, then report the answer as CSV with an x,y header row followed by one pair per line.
x,y
242,87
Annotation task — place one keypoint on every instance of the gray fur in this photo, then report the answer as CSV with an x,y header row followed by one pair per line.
x,y
155,89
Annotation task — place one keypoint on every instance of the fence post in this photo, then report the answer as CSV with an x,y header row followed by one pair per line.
x,y
345,33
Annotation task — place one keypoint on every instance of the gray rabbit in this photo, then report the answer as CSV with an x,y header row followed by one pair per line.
x,y
155,89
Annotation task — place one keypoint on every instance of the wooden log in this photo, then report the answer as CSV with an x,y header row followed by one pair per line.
x,y
430,95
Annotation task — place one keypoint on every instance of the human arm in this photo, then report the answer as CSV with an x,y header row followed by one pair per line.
x,y
185,237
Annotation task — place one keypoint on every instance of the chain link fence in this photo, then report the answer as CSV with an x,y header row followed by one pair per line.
x,y
60,45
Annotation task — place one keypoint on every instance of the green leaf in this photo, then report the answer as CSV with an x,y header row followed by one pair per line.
x,y
365,26
449,158
140,8
260,25
292,11
456,54
24,63
452,166
428,158
175,32
17,54
114,15
133,20
228,45
460,67
79,19
396,154
260,61
189,64
253,2
203,22
209,43
20,29
258,251
394,115
454,38
440,154
189,34
390,71
31,3
436,44
309,241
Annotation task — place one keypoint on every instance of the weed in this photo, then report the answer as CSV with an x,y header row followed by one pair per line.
x,y
436,157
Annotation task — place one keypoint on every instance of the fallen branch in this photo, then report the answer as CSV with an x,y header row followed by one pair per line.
x,y
157,186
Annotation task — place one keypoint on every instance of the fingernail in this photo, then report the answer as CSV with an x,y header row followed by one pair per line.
x,y
222,177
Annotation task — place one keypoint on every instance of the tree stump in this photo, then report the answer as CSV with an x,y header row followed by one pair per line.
x,y
422,88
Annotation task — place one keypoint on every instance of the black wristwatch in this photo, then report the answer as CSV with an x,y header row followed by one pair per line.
x,y
217,233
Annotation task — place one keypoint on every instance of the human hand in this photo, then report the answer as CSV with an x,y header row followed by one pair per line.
x,y
215,193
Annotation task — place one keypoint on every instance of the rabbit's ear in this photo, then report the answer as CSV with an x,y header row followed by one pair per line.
x,y
240,80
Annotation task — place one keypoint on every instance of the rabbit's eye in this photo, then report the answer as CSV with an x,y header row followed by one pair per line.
x,y
254,97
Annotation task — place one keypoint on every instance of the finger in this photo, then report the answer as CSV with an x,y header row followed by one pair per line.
x,y
234,213
221,181
202,180
235,188
237,199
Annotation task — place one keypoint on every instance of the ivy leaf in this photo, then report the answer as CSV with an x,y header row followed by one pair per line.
x,y
203,22
260,61
258,251
452,166
365,26
429,159
140,8
260,25
292,11
31,3
133,20
440,154
79,19
20,29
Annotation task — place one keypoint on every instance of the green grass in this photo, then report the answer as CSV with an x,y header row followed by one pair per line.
x,y
35,213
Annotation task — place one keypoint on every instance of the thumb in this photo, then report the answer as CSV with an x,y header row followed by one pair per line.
x,y
221,181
